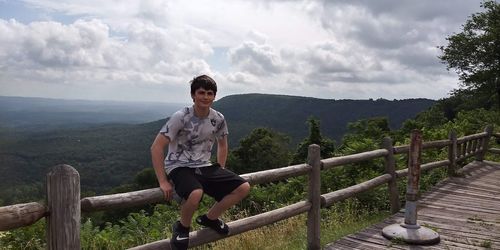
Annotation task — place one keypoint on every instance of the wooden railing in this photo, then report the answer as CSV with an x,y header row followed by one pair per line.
x,y
64,207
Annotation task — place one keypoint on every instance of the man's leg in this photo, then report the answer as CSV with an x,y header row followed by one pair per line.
x,y
189,207
228,201
225,187
180,229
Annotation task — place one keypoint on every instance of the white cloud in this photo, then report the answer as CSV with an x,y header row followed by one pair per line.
x,y
256,59
257,37
242,77
149,50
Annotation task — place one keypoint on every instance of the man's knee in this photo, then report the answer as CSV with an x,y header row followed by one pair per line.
x,y
243,189
195,196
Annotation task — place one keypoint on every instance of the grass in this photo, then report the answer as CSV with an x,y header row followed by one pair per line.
x,y
433,228
341,221
291,233
486,244
286,234
397,241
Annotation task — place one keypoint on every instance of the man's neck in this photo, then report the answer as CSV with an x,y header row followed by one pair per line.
x,y
201,112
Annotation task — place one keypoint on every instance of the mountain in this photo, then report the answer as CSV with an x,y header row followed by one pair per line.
x,y
109,154
105,155
46,114
289,114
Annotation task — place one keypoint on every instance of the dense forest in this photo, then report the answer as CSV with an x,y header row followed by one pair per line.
x,y
289,114
110,155
473,54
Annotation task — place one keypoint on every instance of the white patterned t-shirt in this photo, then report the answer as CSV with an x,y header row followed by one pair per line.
x,y
192,138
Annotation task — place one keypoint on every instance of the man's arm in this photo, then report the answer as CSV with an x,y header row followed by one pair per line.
x,y
158,157
222,150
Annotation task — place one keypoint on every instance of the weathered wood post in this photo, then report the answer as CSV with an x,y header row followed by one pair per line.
x,y
390,168
485,143
409,231
468,147
475,145
20,215
414,162
463,149
63,204
452,153
314,196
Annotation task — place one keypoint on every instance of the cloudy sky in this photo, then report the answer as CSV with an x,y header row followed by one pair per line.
x,y
148,50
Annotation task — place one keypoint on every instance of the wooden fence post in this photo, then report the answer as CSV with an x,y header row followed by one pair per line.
x,y
412,188
452,154
63,204
390,168
314,196
485,143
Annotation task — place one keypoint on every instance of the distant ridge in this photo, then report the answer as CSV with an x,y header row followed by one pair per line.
x,y
47,113
244,112
288,114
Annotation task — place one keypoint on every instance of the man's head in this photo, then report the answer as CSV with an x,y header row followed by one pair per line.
x,y
205,82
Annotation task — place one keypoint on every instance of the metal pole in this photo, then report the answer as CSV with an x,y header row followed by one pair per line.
x,y
410,231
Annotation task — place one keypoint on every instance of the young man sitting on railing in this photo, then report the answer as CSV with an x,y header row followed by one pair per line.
x,y
190,134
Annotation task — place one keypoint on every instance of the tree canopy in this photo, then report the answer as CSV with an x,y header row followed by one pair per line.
x,y
474,54
262,149
327,145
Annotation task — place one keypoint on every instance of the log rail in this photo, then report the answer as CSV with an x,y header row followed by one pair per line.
x,y
459,150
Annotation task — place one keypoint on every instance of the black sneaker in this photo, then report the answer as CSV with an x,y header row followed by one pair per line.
x,y
218,225
180,236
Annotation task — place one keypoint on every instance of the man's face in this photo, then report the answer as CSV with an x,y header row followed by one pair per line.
x,y
203,98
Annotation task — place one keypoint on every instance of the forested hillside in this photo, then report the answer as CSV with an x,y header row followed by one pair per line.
x,y
288,114
109,155
105,156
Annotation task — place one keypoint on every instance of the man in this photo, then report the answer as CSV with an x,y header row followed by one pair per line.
x,y
190,134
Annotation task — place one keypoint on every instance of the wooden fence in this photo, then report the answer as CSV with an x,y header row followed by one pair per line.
x,y
64,207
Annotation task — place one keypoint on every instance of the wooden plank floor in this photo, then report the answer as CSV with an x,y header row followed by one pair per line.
x,y
464,211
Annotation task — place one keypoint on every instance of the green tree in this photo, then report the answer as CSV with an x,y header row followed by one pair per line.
x,y
363,135
262,149
372,129
432,118
474,54
146,178
315,137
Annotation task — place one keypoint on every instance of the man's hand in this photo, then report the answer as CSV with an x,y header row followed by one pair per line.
x,y
166,187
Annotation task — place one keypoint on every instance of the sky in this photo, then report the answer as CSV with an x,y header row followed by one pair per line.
x,y
149,50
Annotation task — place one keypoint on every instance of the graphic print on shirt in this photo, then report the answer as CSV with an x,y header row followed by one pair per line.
x,y
192,138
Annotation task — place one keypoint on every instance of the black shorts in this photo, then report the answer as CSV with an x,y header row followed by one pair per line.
x,y
215,181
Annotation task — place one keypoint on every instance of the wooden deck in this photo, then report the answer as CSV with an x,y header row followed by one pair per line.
x,y
464,211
